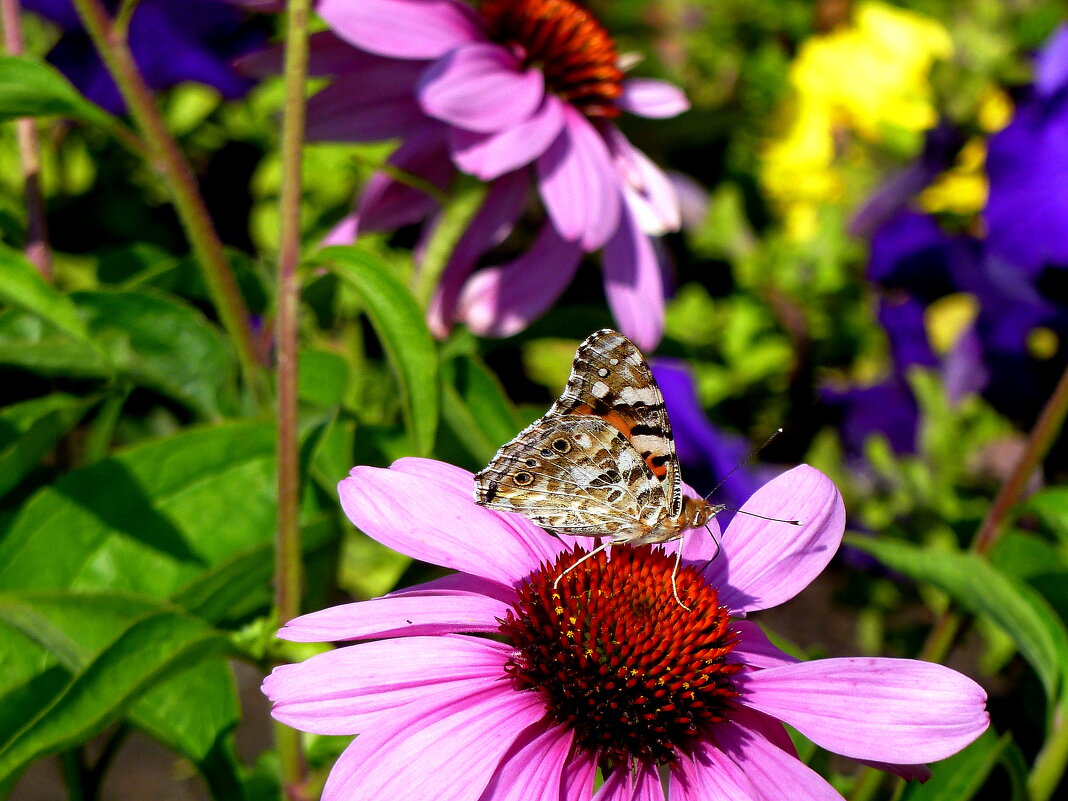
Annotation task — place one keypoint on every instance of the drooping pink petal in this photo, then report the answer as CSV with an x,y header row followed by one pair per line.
x,y
755,649
493,222
766,563
633,283
403,28
772,772
622,785
646,188
387,204
648,97
446,747
532,769
481,87
891,710
491,155
501,301
708,774
398,616
346,690
356,108
328,54
344,233
428,521
578,183
910,773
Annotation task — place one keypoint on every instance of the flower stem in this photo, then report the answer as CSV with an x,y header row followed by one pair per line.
x,y
37,249
288,578
167,158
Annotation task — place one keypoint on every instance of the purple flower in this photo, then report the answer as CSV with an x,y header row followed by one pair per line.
x,y
1027,210
520,94
172,42
606,671
887,408
708,455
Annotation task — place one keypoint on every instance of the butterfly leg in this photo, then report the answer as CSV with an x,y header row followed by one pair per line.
x,y
603,546
675,572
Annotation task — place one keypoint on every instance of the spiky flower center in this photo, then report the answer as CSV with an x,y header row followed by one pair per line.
x,y
615,657
564,41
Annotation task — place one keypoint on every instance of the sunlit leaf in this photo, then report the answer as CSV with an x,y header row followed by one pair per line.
x,y
22,287
31,88
28,431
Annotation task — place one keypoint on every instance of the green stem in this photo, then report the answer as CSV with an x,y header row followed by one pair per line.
x,y
1048,769
288,578
167,158
37,249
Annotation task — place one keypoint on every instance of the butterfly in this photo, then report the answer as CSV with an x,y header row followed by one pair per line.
x,y
601,462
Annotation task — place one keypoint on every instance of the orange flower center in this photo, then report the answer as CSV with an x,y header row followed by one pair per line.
x,y
564,41
616,658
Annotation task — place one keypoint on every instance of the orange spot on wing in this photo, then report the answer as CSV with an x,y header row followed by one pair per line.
x,y
659,470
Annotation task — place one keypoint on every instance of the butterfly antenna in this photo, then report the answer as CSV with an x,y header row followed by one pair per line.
x,y
742,464
763,517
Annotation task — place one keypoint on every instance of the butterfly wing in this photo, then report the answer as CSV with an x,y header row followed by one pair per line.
x,y
610,379
578,475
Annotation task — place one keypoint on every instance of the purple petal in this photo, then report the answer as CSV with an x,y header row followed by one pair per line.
x,y
429,521
481,87
578,776
491,155
344,233
346,690
578,183
494,221
771,771
634,284
646,189
327,55
532,770
501,301
1051,66
446,748
892,710
765,563
398,616
622,785
403,28
386,204
367,106
708,773
910,773
755,649
651,98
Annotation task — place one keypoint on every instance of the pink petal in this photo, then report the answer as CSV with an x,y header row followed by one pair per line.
x,y
446,747
457,584
532,770
327,55
431,522
494,221
651,98
910,773
699,545
710,774
772,772
766,563
491,155
634,283
346,690
398,616
386,204
646,188
620,785
344,233
403,28
578,775
578,183
891,710
367,106
755,649
481,87
501,301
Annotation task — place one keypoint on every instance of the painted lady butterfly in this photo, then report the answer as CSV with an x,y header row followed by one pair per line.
x,y
601,462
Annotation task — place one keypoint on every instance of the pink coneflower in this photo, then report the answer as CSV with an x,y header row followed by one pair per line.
x,y
490,684
521,94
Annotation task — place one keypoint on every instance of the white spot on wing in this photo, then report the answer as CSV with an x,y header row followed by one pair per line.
x,y
599,389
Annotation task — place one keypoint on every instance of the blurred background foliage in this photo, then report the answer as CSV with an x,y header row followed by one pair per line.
x,y
137,470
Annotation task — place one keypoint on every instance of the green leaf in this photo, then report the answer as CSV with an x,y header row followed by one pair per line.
x,y
962,775
30,88
1051,506
149,519
153,646
984,590
400,326
28,431
323,378
23,287
476,409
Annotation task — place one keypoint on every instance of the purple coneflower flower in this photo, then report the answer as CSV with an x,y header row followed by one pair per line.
x,y
520,94
172,42
491,683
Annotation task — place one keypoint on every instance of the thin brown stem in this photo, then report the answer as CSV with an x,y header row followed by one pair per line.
x,y
38,250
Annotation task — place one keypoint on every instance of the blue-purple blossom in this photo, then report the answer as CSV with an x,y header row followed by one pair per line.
x,y
172,41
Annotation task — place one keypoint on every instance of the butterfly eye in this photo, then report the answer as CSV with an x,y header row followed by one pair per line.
x,y
561,445
523,479
546,453
531,462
